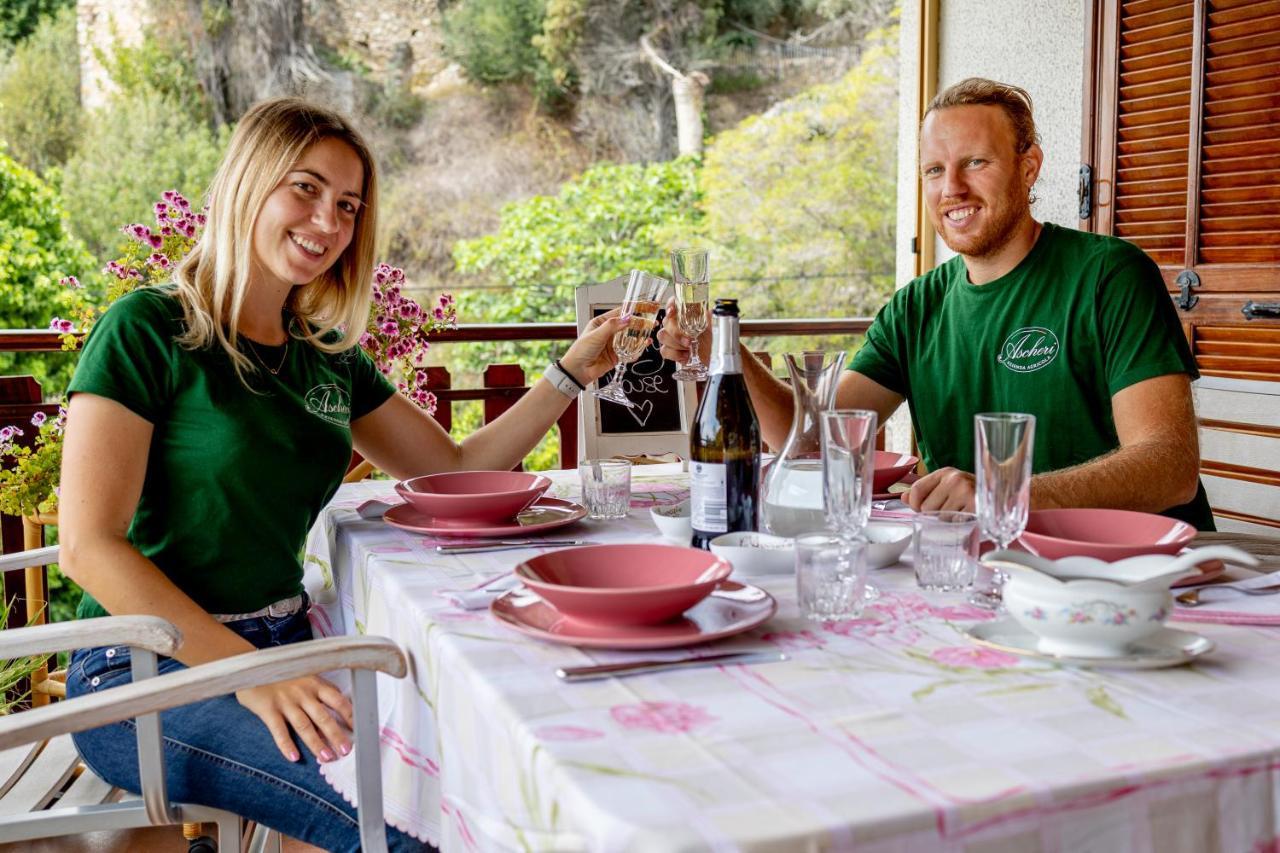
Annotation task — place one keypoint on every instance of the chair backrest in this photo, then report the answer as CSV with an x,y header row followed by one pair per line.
x,y
659,423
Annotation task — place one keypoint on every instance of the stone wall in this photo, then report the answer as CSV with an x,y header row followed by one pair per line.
x,y
396,40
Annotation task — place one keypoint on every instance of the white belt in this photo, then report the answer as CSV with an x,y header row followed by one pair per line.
x,y
283,607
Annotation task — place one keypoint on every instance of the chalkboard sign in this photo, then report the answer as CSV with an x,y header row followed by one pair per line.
x,y
658,424
649,384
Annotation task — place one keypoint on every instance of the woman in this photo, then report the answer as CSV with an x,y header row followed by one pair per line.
x,y
209,423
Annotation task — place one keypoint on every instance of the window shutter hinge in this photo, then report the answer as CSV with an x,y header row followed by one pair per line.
x,y
1185,281
1085,193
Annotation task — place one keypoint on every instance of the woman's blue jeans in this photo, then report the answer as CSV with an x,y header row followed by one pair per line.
x,y
217,753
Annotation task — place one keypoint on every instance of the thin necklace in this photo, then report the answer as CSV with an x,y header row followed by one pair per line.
x,y
273,371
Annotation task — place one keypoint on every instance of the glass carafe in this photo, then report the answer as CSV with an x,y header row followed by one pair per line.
x,y
791,499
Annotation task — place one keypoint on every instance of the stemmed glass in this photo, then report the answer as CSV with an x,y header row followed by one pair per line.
x,y
1002,452
645,293
691,277
848,471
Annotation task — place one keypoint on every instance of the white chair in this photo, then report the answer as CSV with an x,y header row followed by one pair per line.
x,y
594,443
38,758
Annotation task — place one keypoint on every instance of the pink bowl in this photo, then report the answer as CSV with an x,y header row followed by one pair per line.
x,y
891,467
1107,534
473,495
624,584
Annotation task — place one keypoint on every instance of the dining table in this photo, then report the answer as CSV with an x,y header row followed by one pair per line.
x,y
893,731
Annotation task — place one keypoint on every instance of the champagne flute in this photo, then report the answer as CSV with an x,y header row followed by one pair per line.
x,y
645,293
691,277
1002,452
848,472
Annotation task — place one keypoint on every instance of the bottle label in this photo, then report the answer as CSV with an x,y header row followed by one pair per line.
x,y
708,498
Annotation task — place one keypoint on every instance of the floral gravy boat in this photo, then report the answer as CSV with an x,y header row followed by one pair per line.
x,y
1086,607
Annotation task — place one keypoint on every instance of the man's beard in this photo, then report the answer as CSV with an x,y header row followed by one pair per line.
x,y
1008,215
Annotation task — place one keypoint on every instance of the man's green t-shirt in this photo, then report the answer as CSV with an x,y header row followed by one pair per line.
x,y
235,477
1080,318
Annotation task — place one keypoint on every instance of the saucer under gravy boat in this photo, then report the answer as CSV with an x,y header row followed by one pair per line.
x,y
1086,607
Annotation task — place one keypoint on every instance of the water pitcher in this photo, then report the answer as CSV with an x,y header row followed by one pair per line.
x,y
791,500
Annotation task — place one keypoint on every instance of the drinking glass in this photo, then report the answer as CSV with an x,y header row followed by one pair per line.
x,y
831,576
645,293
1002,453
848,471
606,487
944,549
691,278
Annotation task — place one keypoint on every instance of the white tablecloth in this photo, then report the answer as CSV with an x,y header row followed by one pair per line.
x,y
887,733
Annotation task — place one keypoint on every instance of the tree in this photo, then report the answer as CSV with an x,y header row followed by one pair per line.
x,y
806,195
19,18
40,95
36,252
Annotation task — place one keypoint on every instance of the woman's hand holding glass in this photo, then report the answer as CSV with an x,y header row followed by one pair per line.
x,y
592,355
644,296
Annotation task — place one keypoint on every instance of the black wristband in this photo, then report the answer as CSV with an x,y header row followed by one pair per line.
x,y
581,387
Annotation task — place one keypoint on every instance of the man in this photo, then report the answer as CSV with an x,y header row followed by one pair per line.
x,y
1074,328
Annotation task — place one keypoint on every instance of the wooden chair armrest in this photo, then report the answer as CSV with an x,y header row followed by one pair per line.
x,y
144,632
197,683
29,559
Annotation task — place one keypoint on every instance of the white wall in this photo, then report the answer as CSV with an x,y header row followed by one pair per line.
x,y
1035,44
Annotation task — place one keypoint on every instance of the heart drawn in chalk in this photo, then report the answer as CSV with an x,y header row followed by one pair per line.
x,y
641,411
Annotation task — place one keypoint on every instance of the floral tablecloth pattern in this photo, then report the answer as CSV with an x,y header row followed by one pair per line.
x,y
891,732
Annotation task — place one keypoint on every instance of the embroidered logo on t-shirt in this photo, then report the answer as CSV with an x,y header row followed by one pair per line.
x,y
1029,349
331,403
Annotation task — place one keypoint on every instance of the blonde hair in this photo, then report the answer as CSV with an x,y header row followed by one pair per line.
x,y
978,91
213,278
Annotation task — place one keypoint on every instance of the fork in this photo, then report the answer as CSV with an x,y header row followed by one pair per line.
x,y
1191,598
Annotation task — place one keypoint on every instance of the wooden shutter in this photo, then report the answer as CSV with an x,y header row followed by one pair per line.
x,y
1183,133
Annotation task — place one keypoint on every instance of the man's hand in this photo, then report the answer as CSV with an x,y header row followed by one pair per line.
x,y
675,345
946,488
316,711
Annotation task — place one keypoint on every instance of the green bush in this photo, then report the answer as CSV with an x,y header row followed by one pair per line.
x,y
40,95
804,198
493,40
132,151
20,18
36,251
157,66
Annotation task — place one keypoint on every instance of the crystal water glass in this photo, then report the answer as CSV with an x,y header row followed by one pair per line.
x,y
848,471
1003,444
644,296
606,487
831,576
691,279
944,549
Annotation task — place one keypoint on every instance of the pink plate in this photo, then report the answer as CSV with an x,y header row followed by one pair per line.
x,y
731,609
624,584
545,514
473,496
1107,534
1208,571
886,495
890,468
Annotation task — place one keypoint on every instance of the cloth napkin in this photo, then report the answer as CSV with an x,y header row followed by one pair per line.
x,y
1233,608
478,597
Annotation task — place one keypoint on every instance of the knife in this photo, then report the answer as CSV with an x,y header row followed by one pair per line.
x,y
507,545
616,670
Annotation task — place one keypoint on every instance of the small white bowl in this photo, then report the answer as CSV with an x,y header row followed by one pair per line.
x,y
673,522
886,542
754,554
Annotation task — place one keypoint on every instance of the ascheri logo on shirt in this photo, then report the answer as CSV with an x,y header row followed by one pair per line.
x,y
331,403
1029,349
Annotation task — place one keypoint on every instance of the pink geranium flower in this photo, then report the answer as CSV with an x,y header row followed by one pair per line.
x,y
662,717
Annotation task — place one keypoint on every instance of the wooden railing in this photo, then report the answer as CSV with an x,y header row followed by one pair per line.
x,y
503,384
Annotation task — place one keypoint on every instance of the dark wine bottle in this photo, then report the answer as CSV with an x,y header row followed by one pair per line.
x,y
724,442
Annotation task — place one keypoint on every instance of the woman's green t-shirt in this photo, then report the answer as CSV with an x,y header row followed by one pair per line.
x,y
235,477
